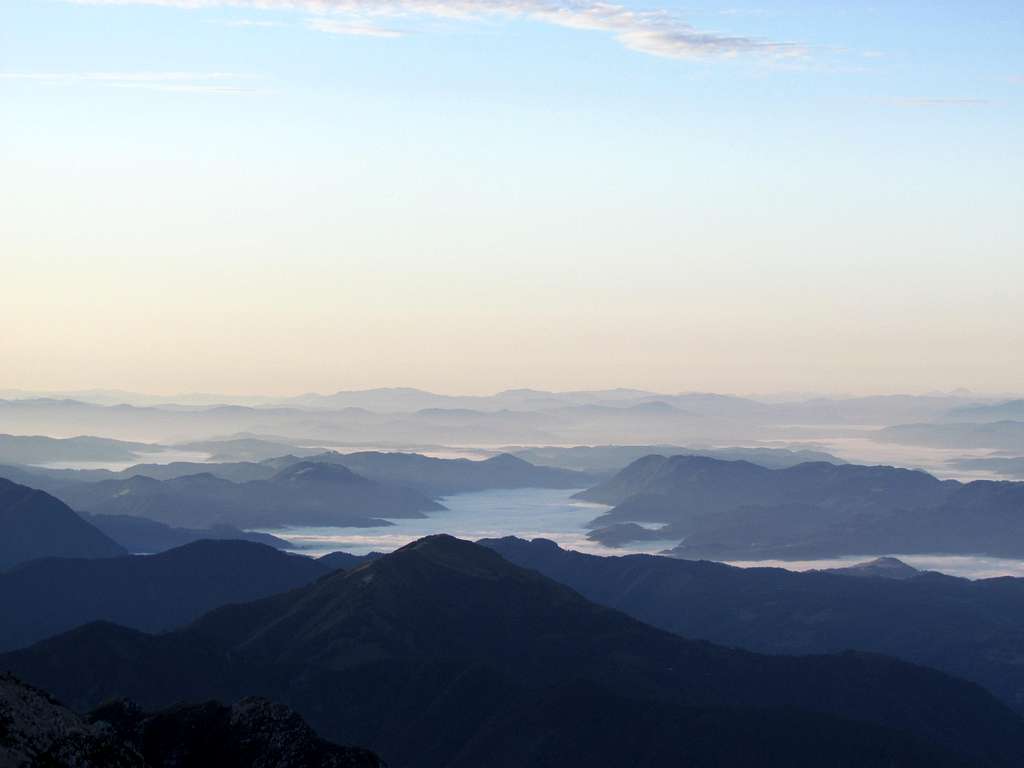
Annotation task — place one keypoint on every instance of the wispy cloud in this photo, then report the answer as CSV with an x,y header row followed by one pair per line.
x,y
939,101
659,32
336,27
250,23
213,83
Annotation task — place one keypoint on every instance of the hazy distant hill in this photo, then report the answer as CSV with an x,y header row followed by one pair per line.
x,y
612,458
303,493
409,400
1001,435
153,593
47,478
444,477
21,449
235,471
404,418
1011,410
444,654
140,535
879,568
1009,467
432,476
243,449
34,524
973,629
702,484
739,511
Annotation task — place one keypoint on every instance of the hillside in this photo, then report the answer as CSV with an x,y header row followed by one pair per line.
x,y
972,629
438,653
303,493
735,510
34,524
154,593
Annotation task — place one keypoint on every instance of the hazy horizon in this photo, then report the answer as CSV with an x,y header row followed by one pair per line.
x,y
270,395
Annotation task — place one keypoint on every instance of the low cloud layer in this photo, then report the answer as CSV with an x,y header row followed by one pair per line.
x,y
657,32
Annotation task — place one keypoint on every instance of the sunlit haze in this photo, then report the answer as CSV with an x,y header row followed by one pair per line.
x,y
281,197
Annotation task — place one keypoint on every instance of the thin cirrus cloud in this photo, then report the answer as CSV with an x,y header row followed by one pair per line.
x,y
931,101
335,27
212,83
658,32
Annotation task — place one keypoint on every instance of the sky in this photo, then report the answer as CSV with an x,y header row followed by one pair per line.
x,y
279,196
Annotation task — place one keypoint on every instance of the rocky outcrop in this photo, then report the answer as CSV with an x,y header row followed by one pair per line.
x,y
36,732
252,733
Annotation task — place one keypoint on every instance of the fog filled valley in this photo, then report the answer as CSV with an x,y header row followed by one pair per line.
x,y
511,580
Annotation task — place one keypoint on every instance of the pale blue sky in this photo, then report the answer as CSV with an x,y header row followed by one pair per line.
x,y
203,195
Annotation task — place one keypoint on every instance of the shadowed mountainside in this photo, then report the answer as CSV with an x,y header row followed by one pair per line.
x,y
445,477
153,593
303,493
435,654
34,524
973,629
739,511
139,535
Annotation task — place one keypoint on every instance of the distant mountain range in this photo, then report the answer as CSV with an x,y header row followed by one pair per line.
x,y
403,418
1011,467
1011,410
325,489
303,493
973,629
445,654
739,511
130,533
994,435
445,477
140,535
22,449
607,459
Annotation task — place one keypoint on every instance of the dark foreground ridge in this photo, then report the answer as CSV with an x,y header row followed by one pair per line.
x,y
37,732
445,654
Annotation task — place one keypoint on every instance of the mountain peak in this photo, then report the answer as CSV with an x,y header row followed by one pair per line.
x,y
880,567
456,554
507,460
317,472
